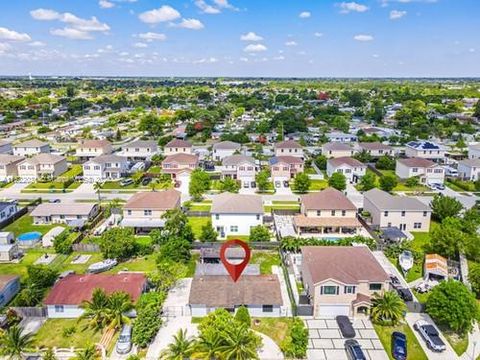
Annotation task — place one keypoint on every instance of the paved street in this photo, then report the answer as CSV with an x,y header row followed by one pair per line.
x,y
327,343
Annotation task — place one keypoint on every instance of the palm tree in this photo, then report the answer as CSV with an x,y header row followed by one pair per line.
x,y
387,308
119,303
241,344
180,349
49,355
96,309
13,343
207,345
97,186
89,353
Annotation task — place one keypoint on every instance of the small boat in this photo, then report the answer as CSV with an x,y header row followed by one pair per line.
x,y
405,259
102,266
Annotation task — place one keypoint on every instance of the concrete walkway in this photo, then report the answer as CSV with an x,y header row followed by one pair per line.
x,y
473,350
269,350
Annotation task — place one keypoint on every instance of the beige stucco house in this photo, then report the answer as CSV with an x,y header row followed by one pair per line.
x,y
9,166
42,165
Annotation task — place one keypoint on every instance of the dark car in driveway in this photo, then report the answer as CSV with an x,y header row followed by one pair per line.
x,y
345,326
146,181
354,350
405,294
399,346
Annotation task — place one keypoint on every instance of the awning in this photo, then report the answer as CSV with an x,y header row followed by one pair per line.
x,y
142,223
303,221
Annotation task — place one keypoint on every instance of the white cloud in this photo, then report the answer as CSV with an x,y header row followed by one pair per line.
x,y
206,8
140,45
44,14
37,44
363,37
318,34
192,24
397,14
4,47
105,4
73,21
347,7
251,36
162,14
71,33
224,4
376,56
291,43
255,48
7,34
151,36
305,14
209,60
280,57
472,50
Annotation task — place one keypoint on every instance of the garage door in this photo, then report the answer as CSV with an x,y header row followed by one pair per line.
x,y
330,311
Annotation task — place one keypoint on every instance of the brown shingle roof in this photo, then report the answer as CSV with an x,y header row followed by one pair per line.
x,y
288,144
347,264
336,146
31,143
237,159
221,291
94,143
328,199
374,146
345,160
154,200
416,162
6,159
227,145
74,289
181,158
287,159
177,143
227,203
44,158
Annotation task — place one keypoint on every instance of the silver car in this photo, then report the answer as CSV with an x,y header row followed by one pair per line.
x,y
124,342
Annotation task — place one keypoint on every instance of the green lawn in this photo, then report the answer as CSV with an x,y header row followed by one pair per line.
x,y
239,237
21,268
275,328
196,222
269,208
310,170
25,224
422,298
50,185
73,171
458,342
316,185
154,170
414,350
266,259
145,264
65,333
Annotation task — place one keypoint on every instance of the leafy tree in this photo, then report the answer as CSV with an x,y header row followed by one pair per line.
x,y
148,320
387,308
385,162
262,180
321,162
388,182
62,243
199,184
412,181
175,249
176,226
229,185
363,156
259,233
181,347
445,206
239,343
14,343
41,276
338,181
208,233
95,310
152,124
448,238
476,113
119,303
474,278
30,295
243,316
295,344
451,304
367,182
301,182
168,272
117,243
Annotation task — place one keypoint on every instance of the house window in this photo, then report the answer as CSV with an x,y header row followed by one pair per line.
x,y
267,308
258,216
233,228
375,287
59,308
129,212
329,290
424,214
349,289
415,170
217,216
147,212
417,225
403,213
344,212
333,212
319,212
385,213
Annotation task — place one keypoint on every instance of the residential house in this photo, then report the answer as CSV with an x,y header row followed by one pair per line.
x,y
474,151
469,169
42,166
177,162
284,168
74,214
144,210
7,209
328,213
9,287
31,147
341,280
261,294
425,150
8,253
68,294
89,149
241,168
177,146
105,167
9,166
5,147
290,148
235,214
376,149
341,137
139,150
224,149
427,171
353,169
337,149
403,212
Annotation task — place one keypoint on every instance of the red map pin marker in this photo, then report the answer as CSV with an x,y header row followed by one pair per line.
x,y
235,270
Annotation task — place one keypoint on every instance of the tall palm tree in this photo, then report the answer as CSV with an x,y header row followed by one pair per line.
x,y
240,344
97,186
387,308
119,303
96,309
13,343
180,349
89,353
208,345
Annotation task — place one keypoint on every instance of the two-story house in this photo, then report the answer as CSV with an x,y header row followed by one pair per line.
x,y
64,213
6,147
139,150
178,146
89,149
353,169
341,280
31,147
405,213
376,149
469,169
175,163
7,209
474,151
105,167
224,149
241,168
144,210
9,166
337,149
42,166
284,168
425,150
328,213
289,148
236,214
427,171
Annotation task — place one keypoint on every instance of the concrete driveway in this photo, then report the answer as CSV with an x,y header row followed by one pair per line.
x,y
355,196
448,354
327,343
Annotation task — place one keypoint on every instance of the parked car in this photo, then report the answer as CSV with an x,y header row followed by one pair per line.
x,y
430,334
345,326
54,201
286,184
126,182
405,294
124,342
354,350
399,346
146,181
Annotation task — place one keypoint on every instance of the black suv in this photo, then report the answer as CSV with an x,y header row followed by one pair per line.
x,y
354,350
345,326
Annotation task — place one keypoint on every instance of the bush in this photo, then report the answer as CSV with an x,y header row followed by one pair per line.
x,y
259,233
118,243
148,320
63,243
243,316
295,344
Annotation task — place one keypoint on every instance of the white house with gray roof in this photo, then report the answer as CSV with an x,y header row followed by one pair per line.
x,y
8,166
5,147
236,214
223,149
403,212
42,165
241,168
469,169
105,167
139,150
64,213
31,147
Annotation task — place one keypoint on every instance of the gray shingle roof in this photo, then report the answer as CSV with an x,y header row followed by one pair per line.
x,y
227,203
384,201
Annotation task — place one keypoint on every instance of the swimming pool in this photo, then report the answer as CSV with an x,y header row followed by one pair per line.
x,y
30,236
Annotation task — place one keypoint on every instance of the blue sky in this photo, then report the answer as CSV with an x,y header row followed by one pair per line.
x,y
304,38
